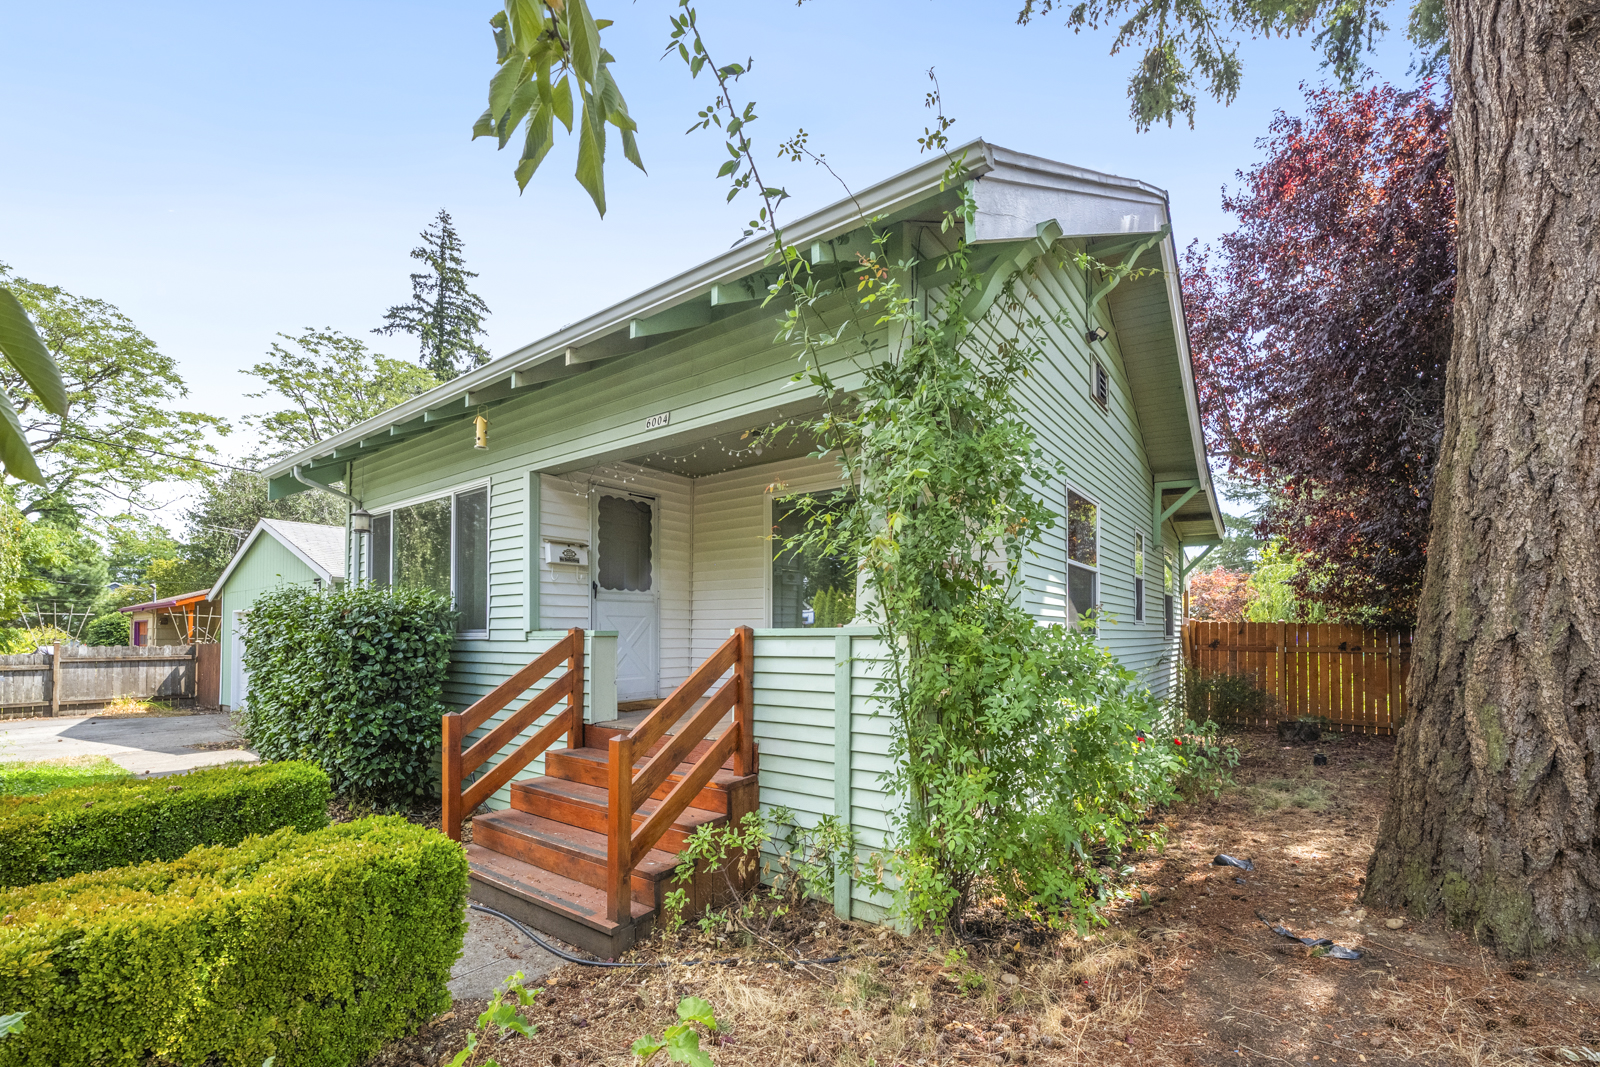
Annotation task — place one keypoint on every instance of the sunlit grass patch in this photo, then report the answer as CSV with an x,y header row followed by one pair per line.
x,y
28,777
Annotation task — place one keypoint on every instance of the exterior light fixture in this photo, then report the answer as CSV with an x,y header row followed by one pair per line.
x,y
1096,334
361,521
480,426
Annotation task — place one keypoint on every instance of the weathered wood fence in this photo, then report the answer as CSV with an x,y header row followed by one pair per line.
x,y
1354,678
75,678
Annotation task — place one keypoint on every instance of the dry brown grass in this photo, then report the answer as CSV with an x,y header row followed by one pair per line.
x,y
1193,978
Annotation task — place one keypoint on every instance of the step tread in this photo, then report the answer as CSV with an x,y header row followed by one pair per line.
x,y
657,863
691,818
723,779
583,903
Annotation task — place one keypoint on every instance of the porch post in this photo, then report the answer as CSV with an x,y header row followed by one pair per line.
x,y
841,761
575,692
450,773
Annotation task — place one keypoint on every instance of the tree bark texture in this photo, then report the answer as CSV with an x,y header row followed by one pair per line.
x,y
1492,811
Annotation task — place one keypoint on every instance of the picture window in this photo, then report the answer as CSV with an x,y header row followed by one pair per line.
x,y
440,544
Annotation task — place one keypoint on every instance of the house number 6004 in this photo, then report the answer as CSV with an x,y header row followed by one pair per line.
x,y
655,422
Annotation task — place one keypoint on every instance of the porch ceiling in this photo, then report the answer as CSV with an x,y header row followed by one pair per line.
x,y
731,451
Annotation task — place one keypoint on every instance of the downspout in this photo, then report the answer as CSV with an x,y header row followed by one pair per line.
x,y
294,472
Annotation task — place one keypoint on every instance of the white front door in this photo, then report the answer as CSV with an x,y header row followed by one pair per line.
x,y
238,680
623,585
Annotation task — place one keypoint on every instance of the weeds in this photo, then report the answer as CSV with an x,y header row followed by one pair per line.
x,y
502,1015
681,1040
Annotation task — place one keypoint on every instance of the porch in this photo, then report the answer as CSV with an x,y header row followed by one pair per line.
x,y
816,748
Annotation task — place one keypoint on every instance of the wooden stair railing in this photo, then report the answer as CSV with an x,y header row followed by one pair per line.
x,y
458,764
627,788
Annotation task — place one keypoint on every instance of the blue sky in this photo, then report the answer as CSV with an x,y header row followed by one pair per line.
x,y
225,173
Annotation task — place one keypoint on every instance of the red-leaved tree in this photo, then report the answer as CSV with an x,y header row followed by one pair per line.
x,y
1219,595
1321,329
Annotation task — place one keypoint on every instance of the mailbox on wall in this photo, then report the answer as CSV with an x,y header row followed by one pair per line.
x,y
566,553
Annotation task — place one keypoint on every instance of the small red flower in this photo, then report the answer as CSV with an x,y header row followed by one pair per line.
x,y
1177,740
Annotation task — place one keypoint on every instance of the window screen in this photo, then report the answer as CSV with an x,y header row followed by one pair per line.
x,y
1102,386
1081,593
472,559
1138,600
624,544
378,566
1169,606
422,545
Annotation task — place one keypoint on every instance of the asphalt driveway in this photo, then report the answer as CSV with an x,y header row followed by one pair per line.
x,y
156,745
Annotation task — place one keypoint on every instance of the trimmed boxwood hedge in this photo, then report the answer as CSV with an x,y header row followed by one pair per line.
x,y
112,824
312,948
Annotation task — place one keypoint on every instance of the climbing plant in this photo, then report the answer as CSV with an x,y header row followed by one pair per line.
x,y
1027,755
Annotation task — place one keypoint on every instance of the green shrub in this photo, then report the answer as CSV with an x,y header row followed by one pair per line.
x,y
1224,697
352,681
112,824
310,948
109,629
46,776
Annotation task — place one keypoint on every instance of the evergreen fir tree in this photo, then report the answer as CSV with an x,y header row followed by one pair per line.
x,y
444,315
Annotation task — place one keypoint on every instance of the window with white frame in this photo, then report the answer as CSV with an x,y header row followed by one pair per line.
x,y
440,544
1138,577
1083,558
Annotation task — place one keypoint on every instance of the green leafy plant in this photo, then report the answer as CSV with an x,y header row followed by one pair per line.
x,y
11,1024
111,824
111,628
1224,697
352,681
290,942
733,851
548,51
681,1041
808,859
22,348
503,1015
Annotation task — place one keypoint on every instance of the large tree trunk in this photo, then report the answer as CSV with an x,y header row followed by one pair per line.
x,y
1492,813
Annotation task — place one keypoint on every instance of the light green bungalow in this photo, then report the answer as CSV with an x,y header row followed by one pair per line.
x,y
619,484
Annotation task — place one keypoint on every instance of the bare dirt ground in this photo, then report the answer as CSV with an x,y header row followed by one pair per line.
x,y
1185,973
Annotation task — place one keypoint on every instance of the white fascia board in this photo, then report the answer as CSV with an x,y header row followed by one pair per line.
x,y
1019,192
1074,188
1169,271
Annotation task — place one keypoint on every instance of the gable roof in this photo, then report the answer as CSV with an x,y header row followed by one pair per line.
x,y
317,546
1015,196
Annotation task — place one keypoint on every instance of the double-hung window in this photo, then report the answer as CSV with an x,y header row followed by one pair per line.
x,y
1083,559
440,544
1138,577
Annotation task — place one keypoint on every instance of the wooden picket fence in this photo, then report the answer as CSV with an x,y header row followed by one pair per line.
x,y
1351,677
76,679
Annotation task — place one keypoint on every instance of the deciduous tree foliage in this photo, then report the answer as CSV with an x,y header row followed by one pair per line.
x,y
1219,595
122,428
1321,331
331,381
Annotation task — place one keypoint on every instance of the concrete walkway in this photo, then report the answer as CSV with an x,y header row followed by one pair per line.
x,y
155,745
492,952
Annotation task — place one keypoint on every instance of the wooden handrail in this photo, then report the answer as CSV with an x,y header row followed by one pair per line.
x,y
627,788
455,764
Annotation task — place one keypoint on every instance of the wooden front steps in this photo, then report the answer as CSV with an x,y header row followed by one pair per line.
x,y
543,859
583,852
